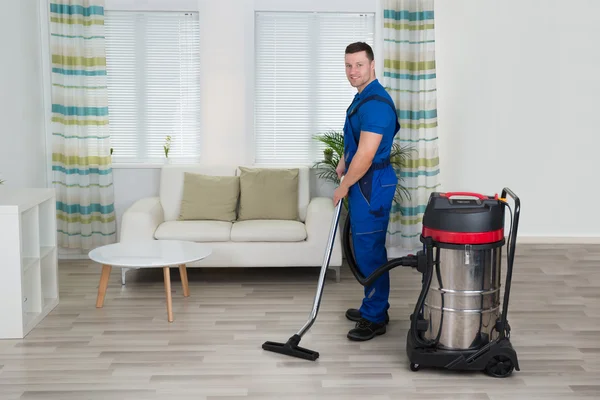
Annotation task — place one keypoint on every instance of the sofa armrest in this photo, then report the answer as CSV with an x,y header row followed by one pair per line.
x,y
140,220
319,215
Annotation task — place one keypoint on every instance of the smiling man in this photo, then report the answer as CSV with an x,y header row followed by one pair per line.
x,y
370,184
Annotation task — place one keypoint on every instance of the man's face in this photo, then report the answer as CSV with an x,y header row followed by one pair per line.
x,y
359,69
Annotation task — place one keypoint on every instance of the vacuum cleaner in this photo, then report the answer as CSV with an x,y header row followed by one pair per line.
x,y
457,323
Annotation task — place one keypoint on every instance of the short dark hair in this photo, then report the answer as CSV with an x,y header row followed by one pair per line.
x,y
358,47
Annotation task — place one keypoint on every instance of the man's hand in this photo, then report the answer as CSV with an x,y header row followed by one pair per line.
x,y
339,193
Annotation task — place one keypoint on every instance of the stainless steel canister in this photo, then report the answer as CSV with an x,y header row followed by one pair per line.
x,y
463,301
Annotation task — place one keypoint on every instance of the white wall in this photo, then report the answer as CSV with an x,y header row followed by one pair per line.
x,y
515,79
23,158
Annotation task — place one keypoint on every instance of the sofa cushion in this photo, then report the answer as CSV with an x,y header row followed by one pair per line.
x,y
268,193
171,184
208,197
268,231
304,185
195,231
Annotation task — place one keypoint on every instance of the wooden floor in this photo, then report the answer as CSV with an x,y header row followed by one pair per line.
x,y
128,350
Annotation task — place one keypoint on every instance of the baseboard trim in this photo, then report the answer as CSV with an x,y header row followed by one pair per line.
x,y
558,239
73,257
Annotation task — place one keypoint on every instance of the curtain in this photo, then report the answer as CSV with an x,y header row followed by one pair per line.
x,y
410,78
81,162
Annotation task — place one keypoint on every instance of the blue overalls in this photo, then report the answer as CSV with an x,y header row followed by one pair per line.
x,y
370,199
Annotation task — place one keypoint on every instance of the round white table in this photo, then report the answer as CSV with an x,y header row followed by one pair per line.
x,y
149,254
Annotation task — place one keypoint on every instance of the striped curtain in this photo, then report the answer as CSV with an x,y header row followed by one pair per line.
x,y
410,78
81,162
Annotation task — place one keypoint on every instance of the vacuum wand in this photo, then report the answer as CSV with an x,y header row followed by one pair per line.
x,y
291,348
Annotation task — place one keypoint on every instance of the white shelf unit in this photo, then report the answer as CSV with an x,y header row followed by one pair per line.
x,y
29,284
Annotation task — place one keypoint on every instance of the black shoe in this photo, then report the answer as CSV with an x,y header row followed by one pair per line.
x,y
366,330
353,314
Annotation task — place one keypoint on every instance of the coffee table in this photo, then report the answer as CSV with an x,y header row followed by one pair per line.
x,y
149,254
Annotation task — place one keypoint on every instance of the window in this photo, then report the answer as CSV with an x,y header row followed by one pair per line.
x,y
153,84
301,86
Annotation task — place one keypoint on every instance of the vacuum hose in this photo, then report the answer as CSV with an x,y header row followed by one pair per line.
x,y
407,261
423,262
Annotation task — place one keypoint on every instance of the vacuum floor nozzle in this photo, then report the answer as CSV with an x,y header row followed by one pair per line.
x,y
291,348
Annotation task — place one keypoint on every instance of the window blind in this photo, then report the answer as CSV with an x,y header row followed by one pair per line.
x,y
153,84
300,83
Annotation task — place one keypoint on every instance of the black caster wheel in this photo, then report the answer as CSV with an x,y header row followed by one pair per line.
x,y
414,367
499,367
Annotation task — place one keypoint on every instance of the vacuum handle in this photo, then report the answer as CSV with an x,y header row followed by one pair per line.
x,y
471,194
515,222
515,198
511,255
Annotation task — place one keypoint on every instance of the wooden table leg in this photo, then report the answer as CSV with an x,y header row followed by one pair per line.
x,y
184,280
167,275
103,285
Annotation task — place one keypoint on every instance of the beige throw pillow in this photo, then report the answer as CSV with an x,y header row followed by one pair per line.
x,y
268,193
207,197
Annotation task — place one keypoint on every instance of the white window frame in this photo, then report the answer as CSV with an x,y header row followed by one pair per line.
x,y
352,6
151,6
316,6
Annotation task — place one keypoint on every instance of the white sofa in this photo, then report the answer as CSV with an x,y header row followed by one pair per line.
x,y
252,243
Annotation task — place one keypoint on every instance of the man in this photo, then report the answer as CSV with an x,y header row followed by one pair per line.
x,y
370,184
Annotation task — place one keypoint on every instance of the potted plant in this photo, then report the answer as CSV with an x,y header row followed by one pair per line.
x,y
334,141
328,154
